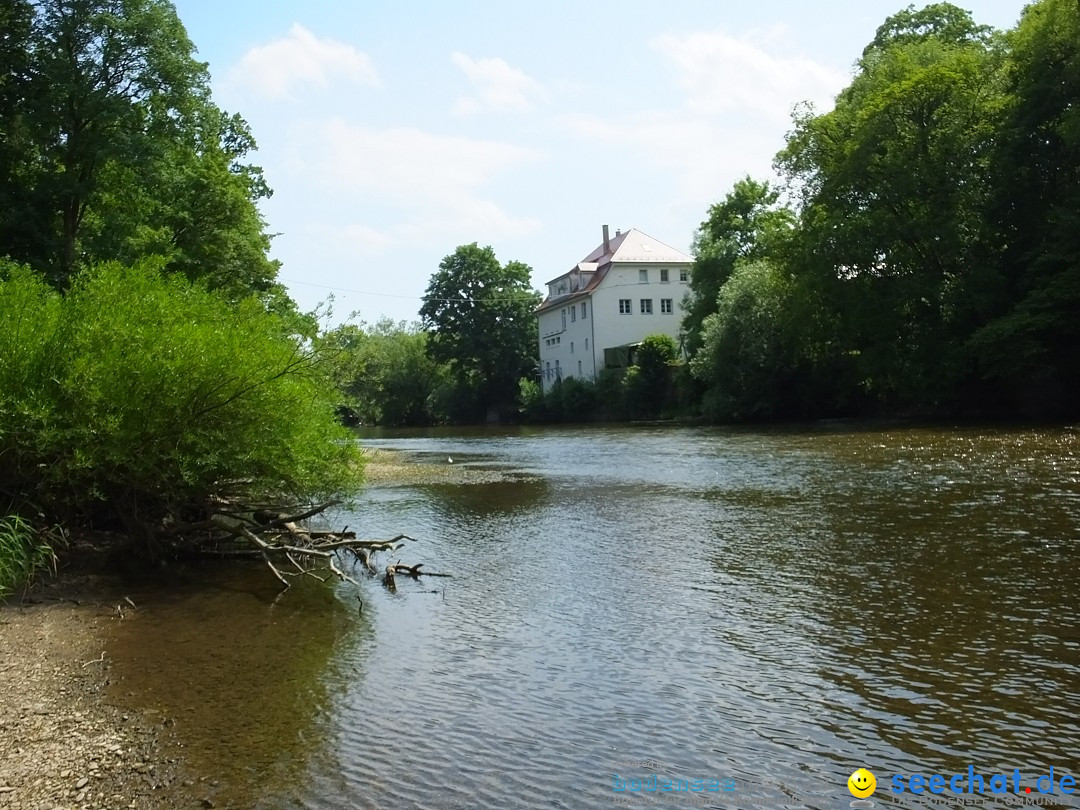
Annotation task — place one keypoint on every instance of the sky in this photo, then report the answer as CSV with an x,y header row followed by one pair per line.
x,y
393,132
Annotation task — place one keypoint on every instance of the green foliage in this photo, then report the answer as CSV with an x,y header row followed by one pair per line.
x,y
657,357
616,395
386,372
22,554
530,400
943,22
1025,340
112,150
748,223
894,185
482,324
137,396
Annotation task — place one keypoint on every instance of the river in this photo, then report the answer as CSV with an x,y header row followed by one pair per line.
x,y
757,613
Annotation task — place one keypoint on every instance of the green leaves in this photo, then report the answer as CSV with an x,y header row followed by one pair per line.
x,y
386,372
748,223
112,149
481,319
136,394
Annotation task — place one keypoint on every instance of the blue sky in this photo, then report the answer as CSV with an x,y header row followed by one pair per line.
x,y
394,132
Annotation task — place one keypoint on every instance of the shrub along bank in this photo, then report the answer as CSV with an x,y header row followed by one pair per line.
x,y
138,401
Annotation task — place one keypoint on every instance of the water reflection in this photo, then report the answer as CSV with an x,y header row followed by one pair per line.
x,y
730,604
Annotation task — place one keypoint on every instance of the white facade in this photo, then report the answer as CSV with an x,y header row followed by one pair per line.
x,y
629,287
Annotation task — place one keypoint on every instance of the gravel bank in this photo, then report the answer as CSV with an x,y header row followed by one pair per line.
x,y
61,744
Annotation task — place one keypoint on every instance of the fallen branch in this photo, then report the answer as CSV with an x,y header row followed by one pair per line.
x,y
415,572
288,550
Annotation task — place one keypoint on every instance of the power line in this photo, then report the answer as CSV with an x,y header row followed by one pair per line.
x,y
391,295
429,298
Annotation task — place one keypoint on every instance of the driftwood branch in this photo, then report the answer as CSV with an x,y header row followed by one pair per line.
x,y
288,550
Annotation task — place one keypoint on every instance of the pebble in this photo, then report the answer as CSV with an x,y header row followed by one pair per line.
x,y
81,783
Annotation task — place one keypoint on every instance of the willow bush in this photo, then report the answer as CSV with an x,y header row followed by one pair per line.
x,y
138,397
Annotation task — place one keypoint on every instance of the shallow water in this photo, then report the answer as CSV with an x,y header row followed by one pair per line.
x,y
769,610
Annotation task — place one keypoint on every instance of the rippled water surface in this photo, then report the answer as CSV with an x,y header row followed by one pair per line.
x,y
774,608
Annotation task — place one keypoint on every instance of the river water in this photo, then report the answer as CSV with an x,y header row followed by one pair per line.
x,y
763,611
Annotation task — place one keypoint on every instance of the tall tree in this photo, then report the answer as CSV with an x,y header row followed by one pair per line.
x,y
23,231
749,223
1028,347
386,372
894,185
113,149
481,316
116,79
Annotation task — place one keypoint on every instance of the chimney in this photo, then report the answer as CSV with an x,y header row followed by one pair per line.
x,y
607,241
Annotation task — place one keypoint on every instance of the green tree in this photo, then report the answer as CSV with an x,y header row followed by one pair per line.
x,y
482,324
748,223
112,149
761,356
114,78
1026,344
23,230
893,186
942,22
386,372
656,357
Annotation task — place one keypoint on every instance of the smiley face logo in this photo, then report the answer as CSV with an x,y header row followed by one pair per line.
x,y
862,784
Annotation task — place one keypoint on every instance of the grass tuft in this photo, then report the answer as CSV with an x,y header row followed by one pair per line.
x,y
23,553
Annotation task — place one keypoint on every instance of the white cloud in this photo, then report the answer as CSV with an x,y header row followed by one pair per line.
x,y
348,239
736,99
299,61
437,182
497,85
722,74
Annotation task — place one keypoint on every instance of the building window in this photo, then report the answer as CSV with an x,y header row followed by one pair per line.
x,y
564,320
579,368
643,275
583,316
624,306
663,274
571,347
646,306
665,305
684,275
558,371
586,344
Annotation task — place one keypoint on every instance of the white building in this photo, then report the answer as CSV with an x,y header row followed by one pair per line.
x,y
630,287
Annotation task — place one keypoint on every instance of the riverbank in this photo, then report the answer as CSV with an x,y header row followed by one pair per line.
x,y
62,743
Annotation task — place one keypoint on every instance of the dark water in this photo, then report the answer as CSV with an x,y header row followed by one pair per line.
x,y
769,610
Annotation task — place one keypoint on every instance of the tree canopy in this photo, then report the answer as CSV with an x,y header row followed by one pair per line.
x,y
113,149
934,265
749,223
482,323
